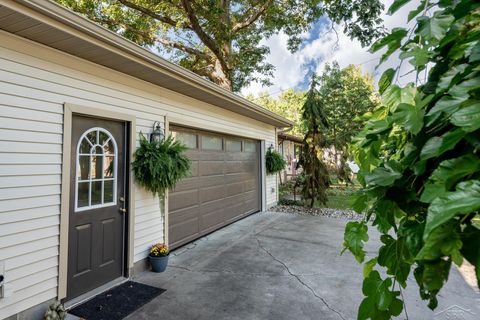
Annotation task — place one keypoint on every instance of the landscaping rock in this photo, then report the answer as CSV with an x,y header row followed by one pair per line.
x,y
324,212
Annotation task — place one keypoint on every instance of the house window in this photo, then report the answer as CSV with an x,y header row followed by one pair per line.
x,y
96,167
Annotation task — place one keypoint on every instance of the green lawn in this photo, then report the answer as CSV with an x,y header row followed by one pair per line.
x,y
338,197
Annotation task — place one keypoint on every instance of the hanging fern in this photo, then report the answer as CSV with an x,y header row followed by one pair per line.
x,y
274,162
159,165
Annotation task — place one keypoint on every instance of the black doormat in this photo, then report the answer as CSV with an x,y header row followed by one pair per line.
x,y
117,303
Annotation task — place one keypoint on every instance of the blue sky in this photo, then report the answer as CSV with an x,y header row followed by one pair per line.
x,y
320,47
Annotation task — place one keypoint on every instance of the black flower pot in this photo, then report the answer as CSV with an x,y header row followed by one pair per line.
x,y
159,264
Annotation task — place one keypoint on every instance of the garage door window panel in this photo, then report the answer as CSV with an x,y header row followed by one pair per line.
x,y
187,138
212,143
234,145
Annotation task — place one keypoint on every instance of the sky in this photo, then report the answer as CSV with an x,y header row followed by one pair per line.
x,y
292,70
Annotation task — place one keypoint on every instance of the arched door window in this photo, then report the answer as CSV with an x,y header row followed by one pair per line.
x,y
96,168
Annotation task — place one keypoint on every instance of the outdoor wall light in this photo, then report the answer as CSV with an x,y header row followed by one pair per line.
x,y
271,147
157,133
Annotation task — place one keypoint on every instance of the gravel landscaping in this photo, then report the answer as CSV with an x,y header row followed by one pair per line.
x,y
324,212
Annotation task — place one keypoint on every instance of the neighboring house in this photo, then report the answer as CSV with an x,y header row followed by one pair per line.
x,y
74,95
288,146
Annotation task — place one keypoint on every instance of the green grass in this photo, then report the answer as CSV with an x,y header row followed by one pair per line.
x,y
338,197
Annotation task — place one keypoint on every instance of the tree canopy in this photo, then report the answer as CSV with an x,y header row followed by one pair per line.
x,y
346,95
288,104
221,39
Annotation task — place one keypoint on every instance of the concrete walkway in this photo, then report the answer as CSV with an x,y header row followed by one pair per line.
x,y
279,266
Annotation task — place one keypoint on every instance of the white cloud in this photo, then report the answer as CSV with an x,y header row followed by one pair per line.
x,y
291,68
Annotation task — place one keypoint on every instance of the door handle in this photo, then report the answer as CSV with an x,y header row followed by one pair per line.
x,y
122,200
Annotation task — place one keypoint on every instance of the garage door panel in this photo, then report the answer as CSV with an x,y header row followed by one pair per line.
x,y
183,199
234,167
250,185
234,189
237,156
185,230
211,168
183,215
210,181
234,211
212,219
212,193
234,177
187,184
224,186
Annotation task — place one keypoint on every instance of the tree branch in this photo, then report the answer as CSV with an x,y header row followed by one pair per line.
x,y
153,14
254,17
165,42
184,48
204,37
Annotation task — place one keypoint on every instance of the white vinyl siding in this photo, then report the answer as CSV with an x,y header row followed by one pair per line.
x,y
35,82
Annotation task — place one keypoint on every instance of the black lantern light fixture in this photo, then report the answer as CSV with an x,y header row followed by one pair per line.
x,y
271,147
157,133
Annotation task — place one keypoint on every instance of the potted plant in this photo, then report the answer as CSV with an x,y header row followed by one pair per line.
x,y
159,257
274,161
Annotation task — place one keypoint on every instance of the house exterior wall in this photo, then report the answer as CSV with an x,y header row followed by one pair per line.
x,y
35,83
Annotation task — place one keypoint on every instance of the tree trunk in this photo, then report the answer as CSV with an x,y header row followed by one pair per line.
x,y
221,77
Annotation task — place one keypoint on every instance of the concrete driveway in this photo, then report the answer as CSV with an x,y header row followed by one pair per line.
x,y
279,266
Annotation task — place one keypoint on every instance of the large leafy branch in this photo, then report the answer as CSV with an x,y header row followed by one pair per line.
x,y
419,159
222,40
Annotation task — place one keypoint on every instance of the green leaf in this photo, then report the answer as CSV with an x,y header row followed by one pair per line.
x,y
385,80
411,231
431,249
396,5
381,302
467,118
447,104
358,202
412,14
394,95
355,235
368,267
464,200
435,27
410,116
435,146
463,88
420,56
391,256
384,176
449,77
385,212
447,174
393,41
470,249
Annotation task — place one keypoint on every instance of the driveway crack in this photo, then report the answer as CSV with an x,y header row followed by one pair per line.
x,y
298,279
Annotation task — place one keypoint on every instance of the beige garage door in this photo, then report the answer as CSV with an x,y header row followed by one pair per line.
x,y
224,184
